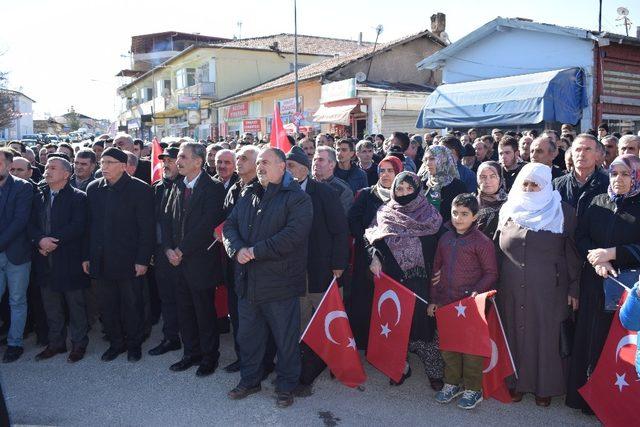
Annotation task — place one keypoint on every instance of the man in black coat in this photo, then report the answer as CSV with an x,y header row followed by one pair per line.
x,y
118,250
587,180
194,210
267,236
166,275
328,252
57,231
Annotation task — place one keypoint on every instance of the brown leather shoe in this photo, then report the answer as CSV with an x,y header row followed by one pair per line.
x,y
76,354
49,352
241,392
516,396
543,401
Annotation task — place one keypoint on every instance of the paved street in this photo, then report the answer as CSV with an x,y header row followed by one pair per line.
x,y
146,393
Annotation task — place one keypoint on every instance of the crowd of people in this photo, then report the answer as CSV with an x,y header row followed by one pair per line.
x,y
87,240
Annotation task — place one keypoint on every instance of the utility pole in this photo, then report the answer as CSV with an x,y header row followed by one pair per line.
x,y
295,61
600,17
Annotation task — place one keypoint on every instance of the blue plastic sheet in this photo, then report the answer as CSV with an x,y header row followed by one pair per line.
x,y
557,95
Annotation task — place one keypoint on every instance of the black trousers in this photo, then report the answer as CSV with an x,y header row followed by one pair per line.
x,y
36,316
198,320
122,311
166,278
54,305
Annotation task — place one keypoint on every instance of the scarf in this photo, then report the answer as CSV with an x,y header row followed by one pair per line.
x,y
536,211
490,204
382,193
446,170
401,227
631,164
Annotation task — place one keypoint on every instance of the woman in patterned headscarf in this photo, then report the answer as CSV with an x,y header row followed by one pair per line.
x,y
401,243
608,237
491,196
440,179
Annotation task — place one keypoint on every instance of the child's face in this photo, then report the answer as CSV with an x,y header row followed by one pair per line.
x,y
462,218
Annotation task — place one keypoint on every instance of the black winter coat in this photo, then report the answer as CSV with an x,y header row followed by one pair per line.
x,y
191,229
602,225
121,228
328,240
276,222
580,197
61,270
161,191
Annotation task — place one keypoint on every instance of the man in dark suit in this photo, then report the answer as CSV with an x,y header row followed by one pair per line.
x,y
84,169
166,274
57,231
16,196
118,250
226,168
194,209
125,142
328,252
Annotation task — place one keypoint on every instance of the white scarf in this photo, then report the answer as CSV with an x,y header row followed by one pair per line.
x,y
541,210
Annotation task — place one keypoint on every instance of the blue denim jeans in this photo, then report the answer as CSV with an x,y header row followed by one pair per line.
x,y
16,278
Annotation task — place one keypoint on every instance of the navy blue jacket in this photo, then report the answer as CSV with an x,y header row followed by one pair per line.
x,y
61,270
16,197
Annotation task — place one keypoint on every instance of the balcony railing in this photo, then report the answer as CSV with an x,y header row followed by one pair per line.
x,y
203,90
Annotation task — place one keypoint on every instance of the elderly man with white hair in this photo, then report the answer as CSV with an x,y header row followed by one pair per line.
x,y
629,144
225,168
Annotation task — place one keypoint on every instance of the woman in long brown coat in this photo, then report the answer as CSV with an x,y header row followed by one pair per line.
x,y
538,280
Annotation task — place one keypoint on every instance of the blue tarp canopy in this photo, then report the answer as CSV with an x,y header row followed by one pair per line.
x,y
557,95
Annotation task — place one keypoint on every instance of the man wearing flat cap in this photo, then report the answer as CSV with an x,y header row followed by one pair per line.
x,y
328,249
118,250
165,273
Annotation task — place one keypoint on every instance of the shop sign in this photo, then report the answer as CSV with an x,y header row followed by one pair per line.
x,y
288,106
337,91
237,111
252,125
187,102
193,117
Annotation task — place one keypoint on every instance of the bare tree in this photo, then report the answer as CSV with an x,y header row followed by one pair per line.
x,y
8,111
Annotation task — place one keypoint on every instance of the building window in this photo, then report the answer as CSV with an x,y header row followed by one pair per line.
x,y
185,77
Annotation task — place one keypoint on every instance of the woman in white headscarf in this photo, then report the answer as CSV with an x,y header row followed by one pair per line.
x,y
539,278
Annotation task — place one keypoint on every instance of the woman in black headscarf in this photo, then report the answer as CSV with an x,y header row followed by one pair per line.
x,y
401,243
361,214
491,196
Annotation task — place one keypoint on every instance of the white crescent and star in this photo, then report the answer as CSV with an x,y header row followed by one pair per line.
x,y
389,294
621,380
461,309
330,317
494,357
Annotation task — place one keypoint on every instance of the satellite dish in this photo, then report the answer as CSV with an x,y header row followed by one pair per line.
x,y
361,77
623,11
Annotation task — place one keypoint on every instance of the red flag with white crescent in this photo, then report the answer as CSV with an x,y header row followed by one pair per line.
x,y
500,365
156,163
329,335
613,389
278,137
391,319
462,326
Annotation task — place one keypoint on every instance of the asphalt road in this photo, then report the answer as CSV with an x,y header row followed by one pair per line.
x,y
120,393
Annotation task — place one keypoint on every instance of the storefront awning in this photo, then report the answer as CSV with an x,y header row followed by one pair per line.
x,y
557,95
338,114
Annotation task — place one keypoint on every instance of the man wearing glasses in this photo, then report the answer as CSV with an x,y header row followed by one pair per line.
x,y
118,250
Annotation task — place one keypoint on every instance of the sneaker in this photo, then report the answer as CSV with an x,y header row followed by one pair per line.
x,y
448,393
470,399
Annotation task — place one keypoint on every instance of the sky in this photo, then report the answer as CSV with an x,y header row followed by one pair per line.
x,y
66,53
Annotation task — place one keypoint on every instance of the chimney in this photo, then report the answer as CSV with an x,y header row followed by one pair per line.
x,y
360,38
438,23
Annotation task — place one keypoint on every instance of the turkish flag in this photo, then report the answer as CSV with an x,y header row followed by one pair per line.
x,y
156,163
391,318
278,137
221,301
500,365
613,389
462,326
329,335
217,232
